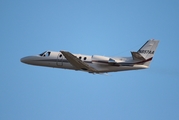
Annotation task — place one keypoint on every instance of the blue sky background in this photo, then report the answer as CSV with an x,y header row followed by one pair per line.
x,y
102,27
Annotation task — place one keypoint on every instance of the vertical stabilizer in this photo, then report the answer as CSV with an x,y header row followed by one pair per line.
x,y
146,52
148,49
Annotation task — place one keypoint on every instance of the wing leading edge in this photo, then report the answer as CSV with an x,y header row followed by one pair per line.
x,y
77,63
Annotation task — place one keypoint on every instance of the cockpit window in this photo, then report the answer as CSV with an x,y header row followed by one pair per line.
x,y
45,54
48,53
42,53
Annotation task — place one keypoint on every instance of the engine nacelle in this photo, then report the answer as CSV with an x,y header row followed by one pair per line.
x,y
98,58
103,59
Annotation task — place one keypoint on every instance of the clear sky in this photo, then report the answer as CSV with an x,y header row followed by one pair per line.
x,y
101,27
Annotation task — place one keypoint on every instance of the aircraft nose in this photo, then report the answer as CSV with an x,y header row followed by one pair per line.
x,y
26,60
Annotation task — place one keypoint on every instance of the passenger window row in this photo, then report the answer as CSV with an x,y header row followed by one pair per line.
x,y
83,58
79,57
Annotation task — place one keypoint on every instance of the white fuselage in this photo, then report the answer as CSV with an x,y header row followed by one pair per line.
x,y
95,63
101,63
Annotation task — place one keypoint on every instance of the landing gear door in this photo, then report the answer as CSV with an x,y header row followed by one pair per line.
x,y
60,59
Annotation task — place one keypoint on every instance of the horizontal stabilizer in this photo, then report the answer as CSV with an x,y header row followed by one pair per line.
x,y
137,56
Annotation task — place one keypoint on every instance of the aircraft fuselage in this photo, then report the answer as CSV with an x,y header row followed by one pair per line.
x,y
101,63
95,63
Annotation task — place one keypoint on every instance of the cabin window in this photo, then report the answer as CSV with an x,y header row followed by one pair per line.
x,y
80,57
84,58
60,55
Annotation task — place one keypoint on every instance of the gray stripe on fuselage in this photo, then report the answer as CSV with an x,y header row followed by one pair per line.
x,y
58,60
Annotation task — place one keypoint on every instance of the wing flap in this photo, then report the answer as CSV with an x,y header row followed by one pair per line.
x,y
77,63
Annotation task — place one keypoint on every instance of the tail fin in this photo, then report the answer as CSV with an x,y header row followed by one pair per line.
x,y
146,52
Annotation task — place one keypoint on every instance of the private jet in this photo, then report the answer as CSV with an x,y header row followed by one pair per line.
x,y
95,64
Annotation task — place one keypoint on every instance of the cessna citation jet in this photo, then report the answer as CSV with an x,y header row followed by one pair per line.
x,y
95,63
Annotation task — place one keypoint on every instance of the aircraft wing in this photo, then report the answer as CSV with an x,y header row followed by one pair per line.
x,y
77,63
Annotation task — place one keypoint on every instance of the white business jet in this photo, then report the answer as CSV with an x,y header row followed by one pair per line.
x,y
95,63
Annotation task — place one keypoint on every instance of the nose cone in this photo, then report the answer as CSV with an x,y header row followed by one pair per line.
x,y
31,60
25,60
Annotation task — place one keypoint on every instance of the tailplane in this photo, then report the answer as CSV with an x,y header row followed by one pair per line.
x,y
146,52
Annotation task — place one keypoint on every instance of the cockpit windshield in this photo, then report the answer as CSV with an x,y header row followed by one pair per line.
x,y
45,54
